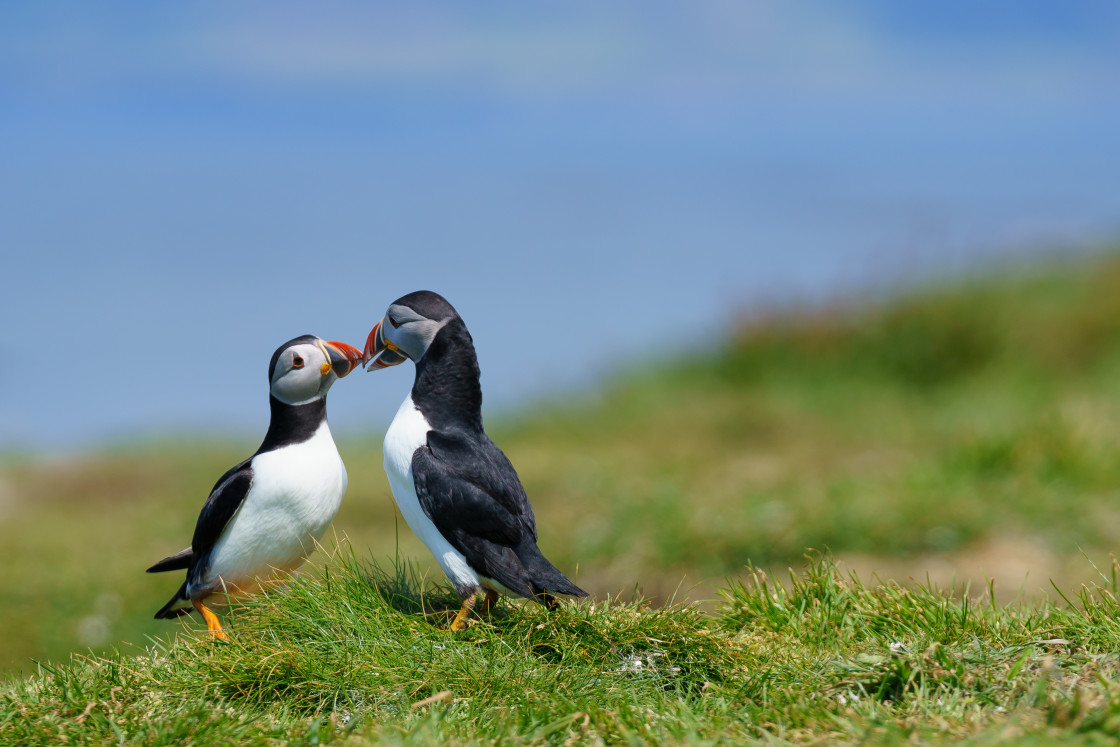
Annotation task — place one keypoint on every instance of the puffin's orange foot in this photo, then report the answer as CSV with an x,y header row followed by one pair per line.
x,y
212,622
460,621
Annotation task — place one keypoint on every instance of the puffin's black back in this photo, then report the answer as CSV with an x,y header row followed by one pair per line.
x,y
447,388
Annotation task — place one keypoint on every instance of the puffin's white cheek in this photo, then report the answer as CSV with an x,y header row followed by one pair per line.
x,y
298,386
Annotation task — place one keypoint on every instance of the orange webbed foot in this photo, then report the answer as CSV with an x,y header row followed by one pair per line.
x,y
460,621
212,623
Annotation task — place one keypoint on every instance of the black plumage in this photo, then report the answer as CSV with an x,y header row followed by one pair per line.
x,y
470,491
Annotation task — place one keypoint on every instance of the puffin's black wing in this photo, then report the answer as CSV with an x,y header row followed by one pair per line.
x,y
475,524
472,494
477,488
226,497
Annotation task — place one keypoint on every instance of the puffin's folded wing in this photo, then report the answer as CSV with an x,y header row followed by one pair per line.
x,y
475,524
455,504
224,501
481,464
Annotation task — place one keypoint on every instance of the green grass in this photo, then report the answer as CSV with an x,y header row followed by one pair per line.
x,y
361,655
964,434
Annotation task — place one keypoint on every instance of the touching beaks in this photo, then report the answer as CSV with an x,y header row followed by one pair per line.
x,y
381,353
343,358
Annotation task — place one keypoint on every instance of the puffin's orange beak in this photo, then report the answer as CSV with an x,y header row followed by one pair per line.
x,y
344,358
381,353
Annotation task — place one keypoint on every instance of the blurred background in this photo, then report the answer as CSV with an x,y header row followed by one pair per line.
x,y
744,278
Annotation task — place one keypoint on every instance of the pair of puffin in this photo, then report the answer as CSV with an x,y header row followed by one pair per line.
x,y
455,488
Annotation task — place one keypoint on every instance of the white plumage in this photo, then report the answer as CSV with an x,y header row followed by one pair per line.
x,y
296,493
407,433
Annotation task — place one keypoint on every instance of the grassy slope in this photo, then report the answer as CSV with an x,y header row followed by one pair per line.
x,y
361,657
945,433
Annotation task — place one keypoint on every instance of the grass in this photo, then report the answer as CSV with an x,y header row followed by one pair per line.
x,y
358,655
356,649
960,436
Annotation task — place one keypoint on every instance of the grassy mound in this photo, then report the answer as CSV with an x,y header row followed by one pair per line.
x,y
364,651
361,655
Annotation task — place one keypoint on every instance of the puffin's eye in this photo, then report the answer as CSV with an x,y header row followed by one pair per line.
x,y
297,361
393,322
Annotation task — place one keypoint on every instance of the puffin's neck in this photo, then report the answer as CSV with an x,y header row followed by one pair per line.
x,y
447,388
292,424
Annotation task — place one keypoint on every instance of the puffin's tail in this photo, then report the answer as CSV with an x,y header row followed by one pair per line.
x,y
544,576
180,604
177,562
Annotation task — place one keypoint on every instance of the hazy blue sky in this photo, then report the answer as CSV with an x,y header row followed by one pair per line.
x,y
185,186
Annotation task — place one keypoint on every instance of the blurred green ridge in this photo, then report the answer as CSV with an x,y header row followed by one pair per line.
x,y
1051,320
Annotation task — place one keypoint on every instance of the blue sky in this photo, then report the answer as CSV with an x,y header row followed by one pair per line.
x,y
184,187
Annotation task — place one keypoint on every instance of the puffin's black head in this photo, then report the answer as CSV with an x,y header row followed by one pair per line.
x,y
303,369
408,328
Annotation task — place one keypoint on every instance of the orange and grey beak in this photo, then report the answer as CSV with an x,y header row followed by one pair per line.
x,y
343,358
379,352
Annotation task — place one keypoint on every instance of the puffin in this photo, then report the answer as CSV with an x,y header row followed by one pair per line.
x,y
265,515
455,488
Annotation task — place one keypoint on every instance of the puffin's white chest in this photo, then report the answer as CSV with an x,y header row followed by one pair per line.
x,y
295,495
407,433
